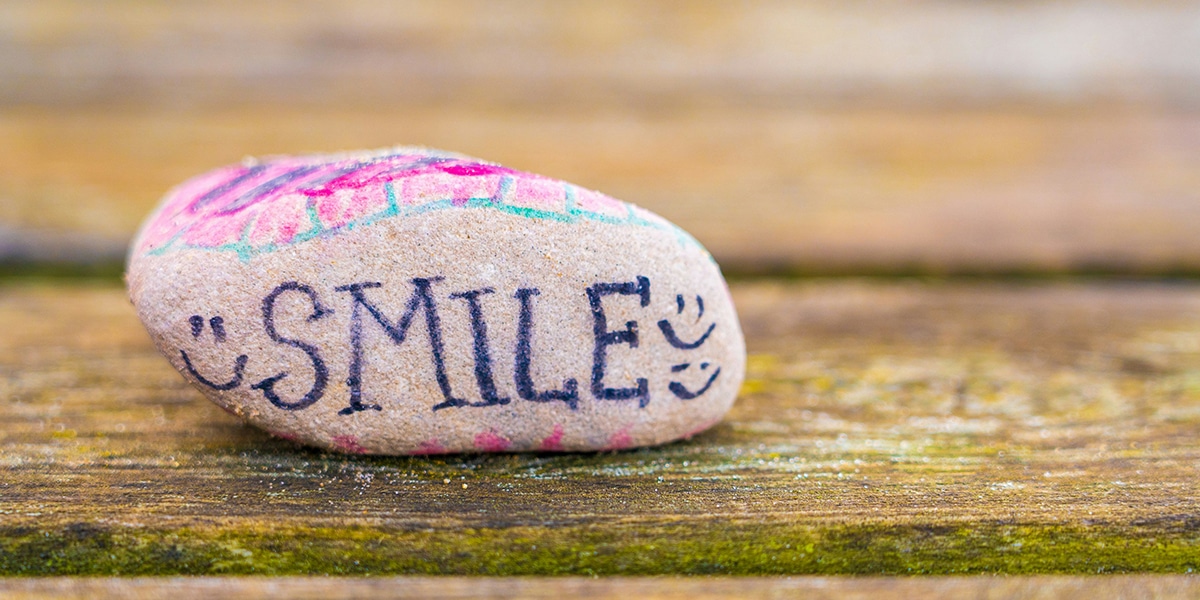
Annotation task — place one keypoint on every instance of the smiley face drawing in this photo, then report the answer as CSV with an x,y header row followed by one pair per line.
x,y
217,324
669,332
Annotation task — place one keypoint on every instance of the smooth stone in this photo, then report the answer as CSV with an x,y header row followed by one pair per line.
x,y
414,301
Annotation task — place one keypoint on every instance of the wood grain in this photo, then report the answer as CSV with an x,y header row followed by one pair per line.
x,y
815,138
884,428
817,588
598,52
767,191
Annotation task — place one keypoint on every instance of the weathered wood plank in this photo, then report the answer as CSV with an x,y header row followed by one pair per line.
x,y
449,588
884,428
826,137
793,190
598,52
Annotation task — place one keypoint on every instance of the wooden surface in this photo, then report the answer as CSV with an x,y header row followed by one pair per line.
x,y
766,190
598,52
884,428
1018,424
822,137
449,588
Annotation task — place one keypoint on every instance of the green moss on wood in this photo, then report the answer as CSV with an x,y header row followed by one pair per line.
x,y
739,548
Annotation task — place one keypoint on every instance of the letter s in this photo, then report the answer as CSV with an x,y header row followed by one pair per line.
x,y
321,372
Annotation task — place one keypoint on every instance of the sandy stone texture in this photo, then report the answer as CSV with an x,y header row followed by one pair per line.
x,y
411,301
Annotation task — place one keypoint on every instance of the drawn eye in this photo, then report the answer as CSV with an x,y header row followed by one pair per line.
x,y
217,324
680,303
218,327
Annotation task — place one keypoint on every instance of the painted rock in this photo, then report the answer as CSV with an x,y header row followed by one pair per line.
x,y
413,301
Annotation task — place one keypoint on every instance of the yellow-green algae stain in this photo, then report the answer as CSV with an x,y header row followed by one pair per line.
x,y
737,548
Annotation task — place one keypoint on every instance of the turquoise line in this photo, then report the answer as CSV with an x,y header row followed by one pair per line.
x,y
393,204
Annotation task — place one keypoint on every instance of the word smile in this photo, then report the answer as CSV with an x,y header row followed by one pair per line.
x,y
422,310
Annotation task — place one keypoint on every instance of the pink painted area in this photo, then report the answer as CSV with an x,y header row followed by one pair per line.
x,y
243,189
430,446
160,231
187,192
278,226
296,175
473,169
214,210
342,176
347,193
348,444
437,185
182,197
268,204
491,441
538,193
620,440
343,206
599,203
175,216
553,442
218,230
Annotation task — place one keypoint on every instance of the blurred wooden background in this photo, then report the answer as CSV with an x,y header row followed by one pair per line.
x,y
826,137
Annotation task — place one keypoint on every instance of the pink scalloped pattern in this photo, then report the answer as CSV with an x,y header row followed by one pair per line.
x,y
261,207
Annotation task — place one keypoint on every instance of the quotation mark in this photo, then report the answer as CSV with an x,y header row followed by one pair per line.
x,y
217,323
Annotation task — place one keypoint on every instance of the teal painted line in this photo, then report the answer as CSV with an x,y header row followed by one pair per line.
x,y
578,213
428,207
159,251
533,213
317,228
602,218
506,184
244,250
570,194
393,207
